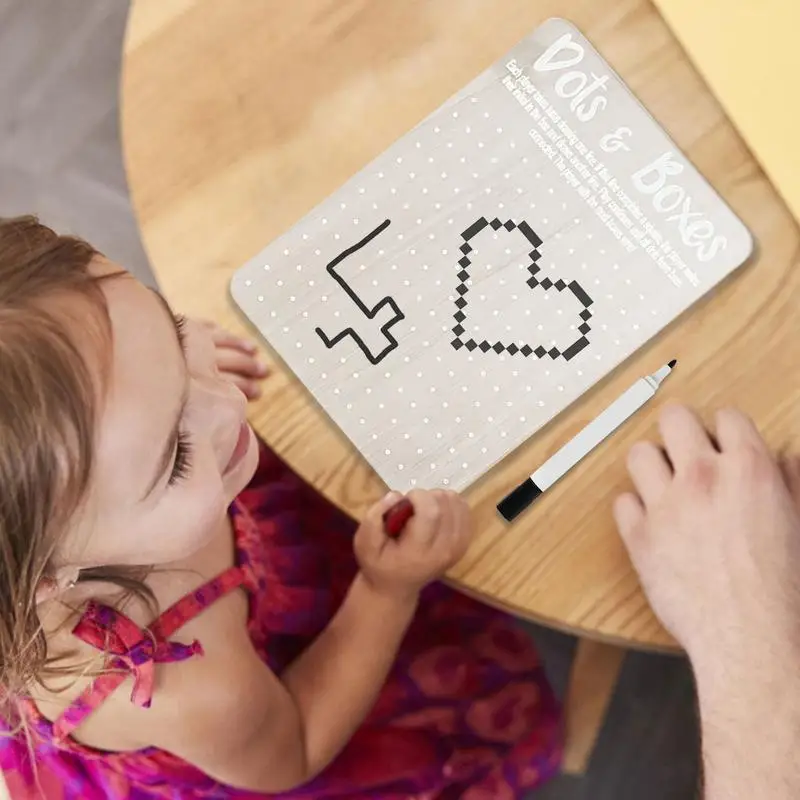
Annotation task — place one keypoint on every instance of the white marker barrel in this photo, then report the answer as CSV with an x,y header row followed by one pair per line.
x,y
600,428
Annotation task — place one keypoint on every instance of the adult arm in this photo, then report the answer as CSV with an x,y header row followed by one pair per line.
x,y
714,532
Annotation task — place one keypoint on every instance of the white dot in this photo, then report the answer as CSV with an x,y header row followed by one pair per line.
x,y
261,298
361,421
279,283
298,345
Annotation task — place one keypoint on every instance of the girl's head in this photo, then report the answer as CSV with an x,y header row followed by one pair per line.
x,y
120,444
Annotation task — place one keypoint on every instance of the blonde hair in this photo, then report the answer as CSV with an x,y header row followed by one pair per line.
x,y
49,399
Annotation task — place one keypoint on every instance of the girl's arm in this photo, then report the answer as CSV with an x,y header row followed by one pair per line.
x,y
227,714
256,732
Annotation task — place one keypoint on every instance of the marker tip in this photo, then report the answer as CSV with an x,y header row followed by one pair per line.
x,y
672,363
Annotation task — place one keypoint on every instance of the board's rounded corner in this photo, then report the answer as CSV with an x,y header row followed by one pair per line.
x,y
556,20
233,289
751,245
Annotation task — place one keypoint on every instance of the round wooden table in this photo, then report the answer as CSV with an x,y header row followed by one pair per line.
x,y
238,117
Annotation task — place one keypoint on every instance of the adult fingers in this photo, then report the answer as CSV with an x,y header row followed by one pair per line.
x,y
629,515
685,437
736,430
649,470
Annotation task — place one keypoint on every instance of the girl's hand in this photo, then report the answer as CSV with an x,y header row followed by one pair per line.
x,y
433,540
237,360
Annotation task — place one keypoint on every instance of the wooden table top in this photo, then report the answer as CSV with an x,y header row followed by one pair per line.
x,y
239,117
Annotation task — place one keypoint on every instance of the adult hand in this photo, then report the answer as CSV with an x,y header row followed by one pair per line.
x,y
714,532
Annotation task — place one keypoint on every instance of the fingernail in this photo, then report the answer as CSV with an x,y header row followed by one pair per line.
x,y
262,370
251,347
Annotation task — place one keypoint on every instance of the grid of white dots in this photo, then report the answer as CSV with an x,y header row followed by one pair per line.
x,y
398,249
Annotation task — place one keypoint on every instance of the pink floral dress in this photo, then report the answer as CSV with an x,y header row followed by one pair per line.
x,y
465,713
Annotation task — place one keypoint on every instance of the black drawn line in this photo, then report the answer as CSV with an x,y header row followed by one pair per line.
x,y
576,289
546,283
368,312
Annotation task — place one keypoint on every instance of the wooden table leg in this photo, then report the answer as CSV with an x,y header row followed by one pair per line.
x,y
593,679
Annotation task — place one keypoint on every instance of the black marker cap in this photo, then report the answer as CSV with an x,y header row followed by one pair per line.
x,y
515,503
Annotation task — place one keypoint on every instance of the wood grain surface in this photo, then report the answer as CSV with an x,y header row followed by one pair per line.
x,y
239,117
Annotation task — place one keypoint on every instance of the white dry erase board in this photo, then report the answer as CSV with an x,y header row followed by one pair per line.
x,y
492,265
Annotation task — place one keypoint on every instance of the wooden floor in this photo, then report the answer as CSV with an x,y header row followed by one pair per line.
x,y
60,158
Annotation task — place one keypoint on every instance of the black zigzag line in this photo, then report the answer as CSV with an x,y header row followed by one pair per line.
x,y
370,313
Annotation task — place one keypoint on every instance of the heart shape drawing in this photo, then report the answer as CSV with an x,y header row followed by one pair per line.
x,y
463,338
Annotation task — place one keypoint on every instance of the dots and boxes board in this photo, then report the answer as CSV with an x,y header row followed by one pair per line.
x,y
492,265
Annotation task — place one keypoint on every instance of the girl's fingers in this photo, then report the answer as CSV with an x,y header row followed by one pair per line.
x,y
427,516
238,363
224,338
250,389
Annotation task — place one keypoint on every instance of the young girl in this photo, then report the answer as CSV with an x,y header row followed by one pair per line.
x,y
181,616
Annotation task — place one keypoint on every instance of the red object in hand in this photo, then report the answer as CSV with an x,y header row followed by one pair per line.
x,y
395,519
